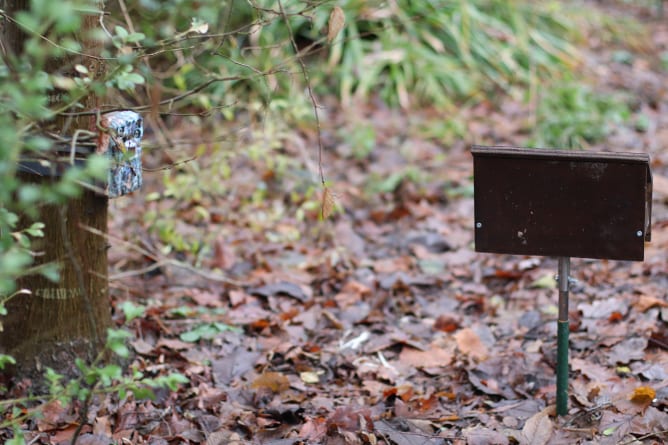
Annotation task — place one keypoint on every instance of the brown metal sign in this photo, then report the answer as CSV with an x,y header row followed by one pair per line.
x,y
562,203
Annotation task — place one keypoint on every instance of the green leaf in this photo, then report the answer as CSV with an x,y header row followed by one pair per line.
x,y
14,261
121,32
171,381
54,380
97,166
51,271
190,336
8,217
223,327
135,78
182,311
18,438
109,373
135,37
36,230
609,431
116,342
547,281
6,359
29,193
132,311
143,393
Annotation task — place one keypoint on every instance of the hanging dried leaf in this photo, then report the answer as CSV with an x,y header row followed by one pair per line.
x,y
337,20
327,204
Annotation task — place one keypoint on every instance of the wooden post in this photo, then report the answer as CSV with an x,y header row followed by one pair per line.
x,y
60,321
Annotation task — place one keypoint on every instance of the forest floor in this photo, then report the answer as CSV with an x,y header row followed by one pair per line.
x,y
381,324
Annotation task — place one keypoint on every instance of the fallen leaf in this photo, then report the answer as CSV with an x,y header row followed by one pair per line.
x,y
311,377
431,358
447,323
54,415
538,429
646,302
274,381
615,317
643,395
204,298
488,384
593,371
101,426
659,185
630,349
281,288
90,439
480,435
545,282
469,343
174,344
234,364
141,346
313,429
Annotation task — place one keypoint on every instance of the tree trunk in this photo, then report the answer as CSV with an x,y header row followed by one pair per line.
x,y
58,322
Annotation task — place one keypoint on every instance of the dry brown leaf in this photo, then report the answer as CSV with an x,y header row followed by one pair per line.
x,y
102,426
538,429
469,343
643,395
447,323
431,358
327,204
337,19
53,416
659,185
274,381
646,302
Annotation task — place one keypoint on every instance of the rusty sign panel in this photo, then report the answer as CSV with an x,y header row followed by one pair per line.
x,y
561,203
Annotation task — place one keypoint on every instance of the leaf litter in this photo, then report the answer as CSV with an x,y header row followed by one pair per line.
x,y
380,324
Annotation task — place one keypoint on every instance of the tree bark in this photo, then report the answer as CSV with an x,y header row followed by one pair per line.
x,y
58,322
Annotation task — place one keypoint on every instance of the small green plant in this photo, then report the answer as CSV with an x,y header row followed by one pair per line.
x,y
575,116
361,139
95,379
390,183
206,331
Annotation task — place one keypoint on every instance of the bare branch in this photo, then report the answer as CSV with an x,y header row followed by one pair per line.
x,y
309,87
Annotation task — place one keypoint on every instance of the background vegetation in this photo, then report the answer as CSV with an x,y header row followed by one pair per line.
x,y
245,74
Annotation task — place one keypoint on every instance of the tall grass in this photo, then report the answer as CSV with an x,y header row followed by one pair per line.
x,y
443,52
405,51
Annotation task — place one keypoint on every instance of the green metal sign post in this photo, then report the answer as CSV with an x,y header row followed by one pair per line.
x,y
562,336
563,204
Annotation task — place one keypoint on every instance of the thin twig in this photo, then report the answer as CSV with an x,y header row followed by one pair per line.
x,y
646,436
51,42
308,86
83,418
169,101
167,261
